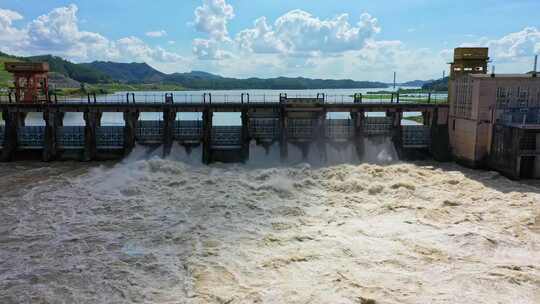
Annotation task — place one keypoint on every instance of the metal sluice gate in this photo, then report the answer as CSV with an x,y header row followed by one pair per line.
x,y
191,132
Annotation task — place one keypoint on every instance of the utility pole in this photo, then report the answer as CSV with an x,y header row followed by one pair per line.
x,y
395,81
535,65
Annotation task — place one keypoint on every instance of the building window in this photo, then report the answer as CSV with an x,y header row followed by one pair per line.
x,y
462,101
518,104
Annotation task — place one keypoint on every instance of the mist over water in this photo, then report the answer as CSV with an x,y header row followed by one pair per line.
x,y
380,151
319,230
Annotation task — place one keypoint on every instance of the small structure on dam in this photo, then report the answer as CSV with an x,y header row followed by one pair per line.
x,y
31,80
494,118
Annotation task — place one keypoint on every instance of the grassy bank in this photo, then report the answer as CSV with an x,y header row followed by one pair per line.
x,y
400,91
6,78
414,96
419,119
111,88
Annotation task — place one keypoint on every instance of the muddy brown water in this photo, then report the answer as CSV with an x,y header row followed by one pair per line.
x,y
164,231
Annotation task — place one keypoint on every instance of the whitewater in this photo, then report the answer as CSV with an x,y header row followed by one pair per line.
x,y
169,230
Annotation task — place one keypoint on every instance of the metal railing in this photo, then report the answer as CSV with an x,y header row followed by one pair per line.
x,y
243,98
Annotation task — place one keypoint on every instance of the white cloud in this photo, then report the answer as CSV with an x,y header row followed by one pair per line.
x,y
261,39
208,49
212,18
300,44
514,45
512,53
134,47
295,44
156,34
300,33
10,35
58,33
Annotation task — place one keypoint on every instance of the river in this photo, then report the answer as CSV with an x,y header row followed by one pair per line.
x,y
153,230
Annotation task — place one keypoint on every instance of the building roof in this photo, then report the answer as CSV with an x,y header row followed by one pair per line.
x,y
27,67
471,53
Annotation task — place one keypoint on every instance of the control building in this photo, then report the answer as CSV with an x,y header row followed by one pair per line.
x,y
494,119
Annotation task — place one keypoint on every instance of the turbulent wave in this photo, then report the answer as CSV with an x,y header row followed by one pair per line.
x,y
155,230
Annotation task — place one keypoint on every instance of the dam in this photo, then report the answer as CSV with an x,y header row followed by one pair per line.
x,y
300,121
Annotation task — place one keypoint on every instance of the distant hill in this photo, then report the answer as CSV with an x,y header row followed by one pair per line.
x,y
127,72
195,80
63,74
60,81
439,85
100,72
136,73
415,83
75,71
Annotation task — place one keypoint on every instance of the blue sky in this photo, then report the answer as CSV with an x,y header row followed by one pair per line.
x,y
362,40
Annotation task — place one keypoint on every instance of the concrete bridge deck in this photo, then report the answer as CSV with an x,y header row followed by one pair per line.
x,y
216,107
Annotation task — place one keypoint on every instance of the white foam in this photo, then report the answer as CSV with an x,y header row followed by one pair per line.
x,y
171,230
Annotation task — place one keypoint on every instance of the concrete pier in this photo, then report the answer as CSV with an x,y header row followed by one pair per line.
x,y
358,121
13,120
53,120
320,137
130,130
283,139
397,131
207,118
169,117
92,122
245,136
440,141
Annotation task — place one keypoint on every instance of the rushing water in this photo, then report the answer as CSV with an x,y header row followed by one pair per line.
x,y
335,95
152,230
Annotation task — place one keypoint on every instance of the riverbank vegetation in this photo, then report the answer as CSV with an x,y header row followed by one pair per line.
x,y
111,88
